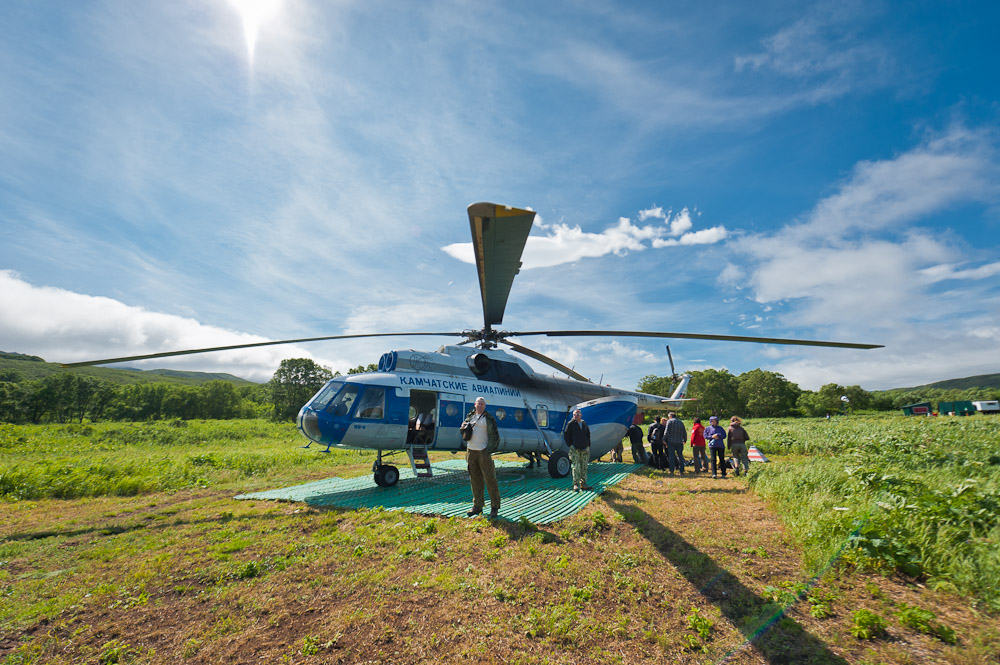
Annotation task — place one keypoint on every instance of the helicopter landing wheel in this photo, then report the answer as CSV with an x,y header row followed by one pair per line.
x,y
386,475
559,464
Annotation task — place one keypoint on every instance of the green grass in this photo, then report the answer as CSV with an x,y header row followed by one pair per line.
x,y
645,574
917,495
130,459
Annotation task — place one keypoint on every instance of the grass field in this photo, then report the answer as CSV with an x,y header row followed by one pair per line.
x,y
121,543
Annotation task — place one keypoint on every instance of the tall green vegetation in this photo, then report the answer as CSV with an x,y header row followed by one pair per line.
x,y
920,496
65,461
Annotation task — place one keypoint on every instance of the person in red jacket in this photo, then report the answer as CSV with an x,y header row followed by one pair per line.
x,y
698,446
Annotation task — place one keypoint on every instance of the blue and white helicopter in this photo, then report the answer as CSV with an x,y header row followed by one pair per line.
x,y
416,400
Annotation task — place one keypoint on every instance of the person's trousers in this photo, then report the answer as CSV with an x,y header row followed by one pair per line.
x,y
719,453
657,447
675,457
639,454
700,458
580,459
482,473
739,451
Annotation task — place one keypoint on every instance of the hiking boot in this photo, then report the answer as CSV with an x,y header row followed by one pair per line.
x,y
474,512
494,513
576,488
586,488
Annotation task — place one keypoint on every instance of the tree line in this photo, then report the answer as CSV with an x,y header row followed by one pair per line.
x,y
69,397
763,394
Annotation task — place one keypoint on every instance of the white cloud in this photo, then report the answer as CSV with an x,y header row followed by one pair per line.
x,y
913,356
822,53
959,166
732,275
680,223
655,213
834,261
63,326
619,351
940,273
703,237
563,243
860,268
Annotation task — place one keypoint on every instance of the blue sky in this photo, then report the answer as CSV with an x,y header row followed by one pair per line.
x,y
189,174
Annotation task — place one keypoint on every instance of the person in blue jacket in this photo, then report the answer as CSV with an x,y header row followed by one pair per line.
x,y
716,437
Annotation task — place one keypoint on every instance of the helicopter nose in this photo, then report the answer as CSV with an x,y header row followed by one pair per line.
x,y
309,424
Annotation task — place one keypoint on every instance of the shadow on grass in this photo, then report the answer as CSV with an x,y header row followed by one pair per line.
x,y
778,638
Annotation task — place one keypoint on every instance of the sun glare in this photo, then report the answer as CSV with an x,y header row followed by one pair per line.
x,y
254,13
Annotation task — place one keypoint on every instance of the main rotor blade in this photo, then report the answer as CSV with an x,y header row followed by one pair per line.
x,y
167,354
498,237
724,338
545,359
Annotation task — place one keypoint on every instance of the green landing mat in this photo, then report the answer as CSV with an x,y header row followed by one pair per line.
x,y
530,493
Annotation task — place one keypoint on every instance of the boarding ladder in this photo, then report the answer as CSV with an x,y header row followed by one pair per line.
x,y
419,461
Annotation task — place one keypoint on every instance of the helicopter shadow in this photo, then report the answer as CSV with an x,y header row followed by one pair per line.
x,y
777,637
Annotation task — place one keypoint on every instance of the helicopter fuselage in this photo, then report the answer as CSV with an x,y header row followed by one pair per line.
x,y
421,399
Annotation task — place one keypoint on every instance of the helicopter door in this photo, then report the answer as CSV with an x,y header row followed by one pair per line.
x,y
608,419
422,428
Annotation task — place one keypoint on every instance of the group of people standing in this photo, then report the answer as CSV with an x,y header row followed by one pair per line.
x,y
667,437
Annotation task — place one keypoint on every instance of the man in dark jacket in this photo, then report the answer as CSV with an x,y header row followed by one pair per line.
x,y
634,435
577,436
656,443
674,436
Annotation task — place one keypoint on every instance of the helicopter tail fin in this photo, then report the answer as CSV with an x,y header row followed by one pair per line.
x,y
680,392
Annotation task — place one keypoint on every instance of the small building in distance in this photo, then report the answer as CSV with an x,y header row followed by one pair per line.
x,y
918,409
987,406
960,408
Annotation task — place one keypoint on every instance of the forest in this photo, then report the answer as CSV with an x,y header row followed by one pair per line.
x,y
33,391
65,396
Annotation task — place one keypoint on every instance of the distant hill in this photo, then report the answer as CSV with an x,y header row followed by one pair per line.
x,y
991,381
33,367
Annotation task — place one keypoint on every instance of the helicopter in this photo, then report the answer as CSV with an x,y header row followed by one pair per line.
x,y
415,402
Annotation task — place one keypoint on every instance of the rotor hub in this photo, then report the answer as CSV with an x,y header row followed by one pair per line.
x,y
486,338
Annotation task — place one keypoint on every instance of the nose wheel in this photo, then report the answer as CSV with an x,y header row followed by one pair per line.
x,y
559,464
386,475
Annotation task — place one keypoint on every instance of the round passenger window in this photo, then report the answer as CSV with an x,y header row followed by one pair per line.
x,y
501,413
519,415
451,409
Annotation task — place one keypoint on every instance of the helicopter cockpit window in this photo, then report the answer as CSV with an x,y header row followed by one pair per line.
x,y
372,404
325,395
341,404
